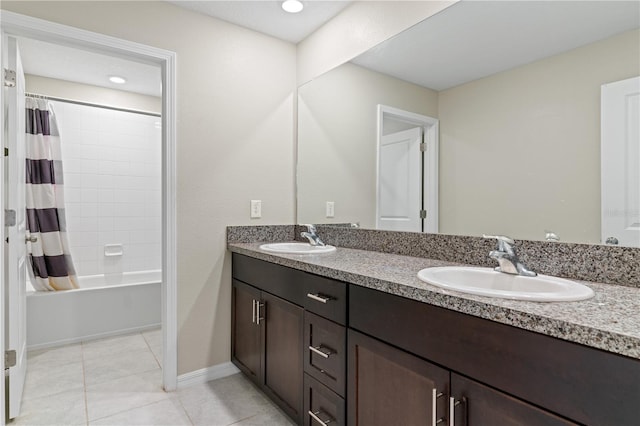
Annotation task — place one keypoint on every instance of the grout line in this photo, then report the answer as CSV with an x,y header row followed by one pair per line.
x,y
84,386
151,350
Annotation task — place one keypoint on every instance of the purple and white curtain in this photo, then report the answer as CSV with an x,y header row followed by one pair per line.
x,y
51,267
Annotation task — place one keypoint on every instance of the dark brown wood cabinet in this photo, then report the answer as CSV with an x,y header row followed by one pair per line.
x,y
388,386
281,337
246,334
476,404
404,362
267,345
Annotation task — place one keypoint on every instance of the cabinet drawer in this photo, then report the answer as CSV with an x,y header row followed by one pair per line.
x,y
324,351
327,298
321,405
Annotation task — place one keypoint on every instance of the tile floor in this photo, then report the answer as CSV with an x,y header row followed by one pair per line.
x,y
118,381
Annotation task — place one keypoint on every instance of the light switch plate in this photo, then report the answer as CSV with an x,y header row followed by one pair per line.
x,y
330,209
256,209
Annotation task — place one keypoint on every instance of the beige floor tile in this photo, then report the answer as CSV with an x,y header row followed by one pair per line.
x,y
45,378
169,411
56,356
223,401
115,366
113,346
66,408
115,396
271,417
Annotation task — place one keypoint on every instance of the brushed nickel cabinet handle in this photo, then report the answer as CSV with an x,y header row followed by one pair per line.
x,y
318,297
434,407
322,351
253,311
315,416
452,410
258,313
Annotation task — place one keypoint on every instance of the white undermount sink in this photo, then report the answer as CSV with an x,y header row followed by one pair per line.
x,y
487,282
296,248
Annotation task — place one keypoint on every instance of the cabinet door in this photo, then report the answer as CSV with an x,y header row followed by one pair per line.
x,y
283,356
388,386
479,405
246,351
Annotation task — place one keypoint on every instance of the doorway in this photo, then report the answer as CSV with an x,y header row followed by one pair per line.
x,y
15,25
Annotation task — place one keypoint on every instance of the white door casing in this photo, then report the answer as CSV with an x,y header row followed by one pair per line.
x,y
620,161
26,26
15,252
392,209
399,181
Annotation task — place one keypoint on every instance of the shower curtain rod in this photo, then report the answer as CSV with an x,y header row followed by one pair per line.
x,y
69,101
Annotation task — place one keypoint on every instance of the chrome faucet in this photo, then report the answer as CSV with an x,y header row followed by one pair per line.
x,y
507,258
311,235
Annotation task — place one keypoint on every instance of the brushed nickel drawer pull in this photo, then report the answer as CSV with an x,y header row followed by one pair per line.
x,y
434,407
318,297
315,416
322,351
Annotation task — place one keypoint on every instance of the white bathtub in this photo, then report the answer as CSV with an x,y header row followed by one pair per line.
x,y
103,306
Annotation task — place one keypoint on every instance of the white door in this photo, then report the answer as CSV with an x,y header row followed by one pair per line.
x,y
400,181
620,170
15,250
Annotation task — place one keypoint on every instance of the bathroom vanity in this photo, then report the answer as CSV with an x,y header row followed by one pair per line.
x,y
353,337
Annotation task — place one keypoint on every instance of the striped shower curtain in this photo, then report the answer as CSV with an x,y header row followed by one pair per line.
x,y
51,267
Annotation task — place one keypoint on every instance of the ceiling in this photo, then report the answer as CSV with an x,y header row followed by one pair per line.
x,y
81,66
267,16
474,39
73,64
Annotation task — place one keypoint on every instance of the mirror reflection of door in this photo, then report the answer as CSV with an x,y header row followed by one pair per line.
x,y
621,162
399,181
407,179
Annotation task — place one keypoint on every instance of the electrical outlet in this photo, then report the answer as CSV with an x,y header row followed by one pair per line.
x,y
330,209
256,209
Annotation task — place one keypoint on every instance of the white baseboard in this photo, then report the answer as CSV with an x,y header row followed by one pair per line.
x,y
205,375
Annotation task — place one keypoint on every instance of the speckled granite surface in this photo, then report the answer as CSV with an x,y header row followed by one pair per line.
x,y
266,233
599,263
609,321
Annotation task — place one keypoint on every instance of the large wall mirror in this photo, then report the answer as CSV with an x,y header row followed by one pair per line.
x,y
537,118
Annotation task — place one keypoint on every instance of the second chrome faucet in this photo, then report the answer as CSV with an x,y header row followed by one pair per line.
x,y
311,235
507,258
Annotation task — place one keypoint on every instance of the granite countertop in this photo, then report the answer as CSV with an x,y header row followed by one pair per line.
x,y
609,321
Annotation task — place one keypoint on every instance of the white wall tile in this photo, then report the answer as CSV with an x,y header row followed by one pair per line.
x,y
112,182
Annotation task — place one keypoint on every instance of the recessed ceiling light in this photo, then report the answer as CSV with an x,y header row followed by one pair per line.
x,y
117,79
292,6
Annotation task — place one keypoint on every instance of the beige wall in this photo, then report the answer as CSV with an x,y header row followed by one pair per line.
x,y
235,143
520,150
356,29
337,116
92,94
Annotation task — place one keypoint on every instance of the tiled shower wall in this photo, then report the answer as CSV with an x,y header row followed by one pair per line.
x,y
112,179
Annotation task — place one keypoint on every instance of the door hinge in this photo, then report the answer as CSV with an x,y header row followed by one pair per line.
x,y
10,359
423,147
6,152
9,78
9,217
423,214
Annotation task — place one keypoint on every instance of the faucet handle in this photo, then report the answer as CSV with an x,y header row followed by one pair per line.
x,y
310,227
500,238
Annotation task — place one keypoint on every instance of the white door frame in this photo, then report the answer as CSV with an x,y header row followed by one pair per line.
x,y
26,26
430,126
